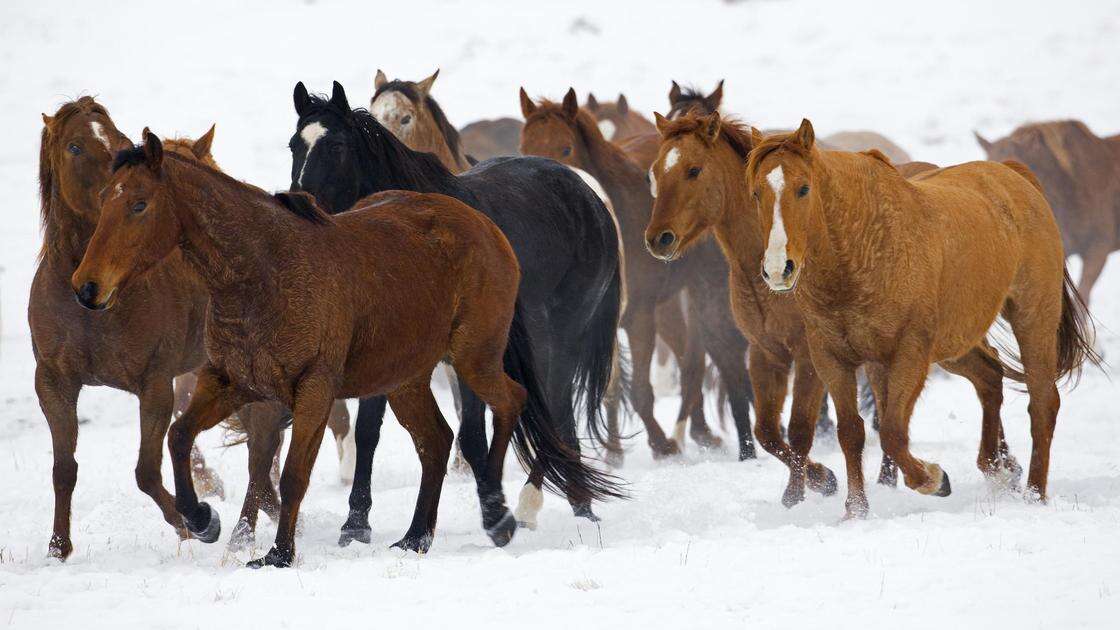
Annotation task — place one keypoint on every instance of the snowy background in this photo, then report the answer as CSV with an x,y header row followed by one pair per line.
x,y
705,542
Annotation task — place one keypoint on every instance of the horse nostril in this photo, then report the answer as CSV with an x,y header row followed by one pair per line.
x,y
666,239
86,294
788,270
765,276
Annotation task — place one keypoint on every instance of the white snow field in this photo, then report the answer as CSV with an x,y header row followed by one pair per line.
x,y
705,542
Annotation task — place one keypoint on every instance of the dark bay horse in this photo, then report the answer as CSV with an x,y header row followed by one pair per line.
x,y
1080,173
306,308
567,133
154,335
894,274
565,241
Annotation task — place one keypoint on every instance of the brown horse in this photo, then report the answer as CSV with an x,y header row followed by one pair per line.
x,y
564,132
484,139
894,275
616,120
408,110
153,335
291,320
1080,174
698,177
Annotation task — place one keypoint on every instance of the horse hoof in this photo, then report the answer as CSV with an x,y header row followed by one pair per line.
x,y
706,439
274,558
242,537
662,450
614,458
59,548
350,534
856,510
411,542
824,483
793,495
944,489
213,528
501,533
584,511
747,451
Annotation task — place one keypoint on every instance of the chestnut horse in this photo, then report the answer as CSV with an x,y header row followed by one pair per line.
x,y
566,133
894,274
154,335
307,308
408,110
698,180
1080,174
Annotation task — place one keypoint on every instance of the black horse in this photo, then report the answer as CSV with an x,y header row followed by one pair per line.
x,y
565,241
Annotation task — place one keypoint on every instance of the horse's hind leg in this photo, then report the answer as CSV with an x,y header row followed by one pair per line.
x,y
207,481
58,398
986,375
157,403
367,433
264,424
417,411
639,325
339,424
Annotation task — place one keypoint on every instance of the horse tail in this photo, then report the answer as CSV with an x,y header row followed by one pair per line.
x,y
1075,333
535,440
597,360
1026,172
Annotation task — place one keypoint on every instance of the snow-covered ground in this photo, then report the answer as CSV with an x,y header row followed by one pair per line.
x,y
704,542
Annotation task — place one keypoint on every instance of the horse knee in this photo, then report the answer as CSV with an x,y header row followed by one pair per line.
x,y
147,478
850,434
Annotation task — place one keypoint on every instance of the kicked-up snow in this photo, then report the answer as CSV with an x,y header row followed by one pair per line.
x,y
705,541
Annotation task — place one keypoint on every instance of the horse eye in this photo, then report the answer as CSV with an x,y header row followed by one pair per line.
x,y
74,149
406,119
566,152
804,190
139,207
694,172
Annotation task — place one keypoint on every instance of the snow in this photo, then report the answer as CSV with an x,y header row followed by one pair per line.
x,y
705,541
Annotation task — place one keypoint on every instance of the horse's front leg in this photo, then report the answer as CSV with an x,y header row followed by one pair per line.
x,y
58,398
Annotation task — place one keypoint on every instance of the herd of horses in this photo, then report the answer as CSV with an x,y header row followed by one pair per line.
x,y
395,250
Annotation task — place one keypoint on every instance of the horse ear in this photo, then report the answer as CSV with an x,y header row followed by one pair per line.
x,y
527,104
153,150
623,105
301,99
201,147
984,144
379,80
570,104
47,120
674,93
592,102
756,137
661,122
804,134
338,97
711,125
714,99
426,85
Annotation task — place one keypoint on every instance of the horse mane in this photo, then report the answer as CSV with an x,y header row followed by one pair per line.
x,y
132,156
732,130
303,206
51,218
689,97
388,161
447,130
771,144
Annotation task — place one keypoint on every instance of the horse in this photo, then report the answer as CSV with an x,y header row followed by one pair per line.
x,y
562,234
616,120
154,335
306,308
485,139
565,132
407,109
896,274
1080,173
698,180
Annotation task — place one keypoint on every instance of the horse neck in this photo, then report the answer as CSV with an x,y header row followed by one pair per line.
x,y
433,141
737,231
620,177
66,233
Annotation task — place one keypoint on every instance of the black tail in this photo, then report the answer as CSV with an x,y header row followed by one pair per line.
x,y
536,441
598,361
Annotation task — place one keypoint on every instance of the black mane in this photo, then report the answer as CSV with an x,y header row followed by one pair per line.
x,y
690,96
449,132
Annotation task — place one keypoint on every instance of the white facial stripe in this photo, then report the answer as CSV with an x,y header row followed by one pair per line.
x,y
671,158
118,190
99,133
310,134
774,261
652,182
608,129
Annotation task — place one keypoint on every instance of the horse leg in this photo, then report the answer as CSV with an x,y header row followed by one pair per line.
x,y
612,401
367,433
808,390
640,331
417,411
770,379
311,405
213,401
58,398
459,463
729,351
840,379
1092,264
986,375
684,339
264,424
339,424
157,402
877,380
207,481
1034,327
905,378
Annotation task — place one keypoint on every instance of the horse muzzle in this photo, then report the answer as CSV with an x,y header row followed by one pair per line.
x,y
89,296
